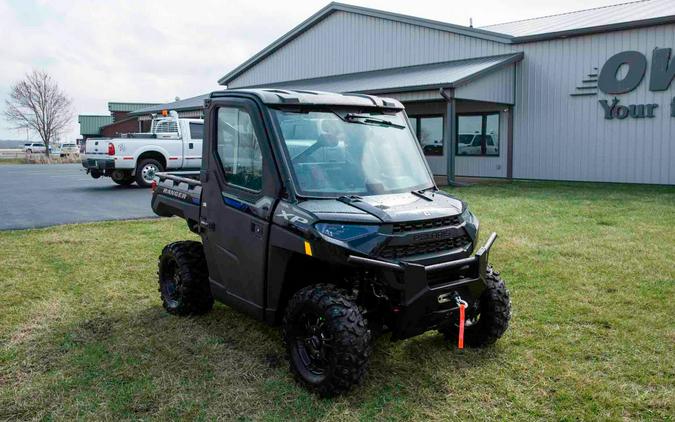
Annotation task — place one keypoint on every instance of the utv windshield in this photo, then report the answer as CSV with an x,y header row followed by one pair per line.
x,y
351,152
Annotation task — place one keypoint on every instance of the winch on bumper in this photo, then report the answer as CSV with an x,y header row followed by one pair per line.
x,y
429,293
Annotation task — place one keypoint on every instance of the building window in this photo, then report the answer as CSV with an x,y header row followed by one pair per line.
x,y
478,134
429,132
238,149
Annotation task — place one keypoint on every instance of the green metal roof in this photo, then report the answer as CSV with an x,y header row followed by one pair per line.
x,y
188,104
91,125
128,107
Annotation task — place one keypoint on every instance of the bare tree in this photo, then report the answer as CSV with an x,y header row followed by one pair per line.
x,y
38,104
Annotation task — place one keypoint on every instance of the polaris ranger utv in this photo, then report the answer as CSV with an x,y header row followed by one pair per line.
x,y
318,211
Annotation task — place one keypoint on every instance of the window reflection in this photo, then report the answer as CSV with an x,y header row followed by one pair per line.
x,y
429,131
478,134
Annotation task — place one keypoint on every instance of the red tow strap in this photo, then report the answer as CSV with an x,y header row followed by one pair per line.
x,y
460,340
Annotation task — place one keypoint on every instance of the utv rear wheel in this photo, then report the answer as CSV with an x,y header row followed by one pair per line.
x,y
146,170
184,279
327,340
489,323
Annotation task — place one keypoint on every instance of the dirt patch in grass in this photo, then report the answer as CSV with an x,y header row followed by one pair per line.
x,y
590,269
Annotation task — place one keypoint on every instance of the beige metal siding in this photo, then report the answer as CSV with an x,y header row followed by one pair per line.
x,y
495,88
566,138
347,43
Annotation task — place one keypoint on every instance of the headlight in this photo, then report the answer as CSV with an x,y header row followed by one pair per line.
x,y
467,215
472,223
345,232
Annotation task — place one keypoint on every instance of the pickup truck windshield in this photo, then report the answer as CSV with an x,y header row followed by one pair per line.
x,y
335,153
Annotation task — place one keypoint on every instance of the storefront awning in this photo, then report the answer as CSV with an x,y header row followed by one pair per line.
x,y
452,74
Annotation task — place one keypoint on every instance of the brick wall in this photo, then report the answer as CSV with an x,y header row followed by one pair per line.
x,y
129,125
119,115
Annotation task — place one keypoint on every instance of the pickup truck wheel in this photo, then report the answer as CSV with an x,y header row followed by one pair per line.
x,y
146,170
184,279
327,340
122,178
488,325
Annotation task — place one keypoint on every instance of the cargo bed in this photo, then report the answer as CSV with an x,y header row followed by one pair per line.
x,y
178,194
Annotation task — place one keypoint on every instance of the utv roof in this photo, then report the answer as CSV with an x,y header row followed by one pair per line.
x,y
305,97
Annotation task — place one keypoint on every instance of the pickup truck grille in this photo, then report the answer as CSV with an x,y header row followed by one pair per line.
x,y
410,226
402,251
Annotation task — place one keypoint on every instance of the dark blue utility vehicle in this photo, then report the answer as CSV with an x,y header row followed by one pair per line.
x,y
318,212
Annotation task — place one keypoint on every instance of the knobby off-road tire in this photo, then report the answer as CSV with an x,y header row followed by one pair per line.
x,y
327,340
494,313
184,279
142,171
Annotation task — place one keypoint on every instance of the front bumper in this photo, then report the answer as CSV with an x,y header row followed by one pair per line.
x,y
428,293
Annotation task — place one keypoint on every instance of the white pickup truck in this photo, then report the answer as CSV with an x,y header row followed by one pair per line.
x,y
172,143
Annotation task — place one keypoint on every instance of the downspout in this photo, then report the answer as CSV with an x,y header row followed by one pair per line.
x,y
450,133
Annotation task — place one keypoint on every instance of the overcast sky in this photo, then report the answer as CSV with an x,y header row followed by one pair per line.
x,y
153,51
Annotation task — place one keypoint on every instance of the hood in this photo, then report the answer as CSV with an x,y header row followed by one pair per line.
x,y
394,208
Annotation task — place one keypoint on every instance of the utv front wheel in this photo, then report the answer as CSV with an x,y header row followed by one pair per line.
x,y
327,340
184,279
489,323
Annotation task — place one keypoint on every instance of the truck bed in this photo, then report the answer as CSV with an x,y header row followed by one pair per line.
x,y
178,193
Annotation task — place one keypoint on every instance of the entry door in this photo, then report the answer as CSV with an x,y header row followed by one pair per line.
x,y
238,196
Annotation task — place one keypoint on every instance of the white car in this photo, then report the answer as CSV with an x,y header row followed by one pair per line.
x,y
34,147
173,143
69,149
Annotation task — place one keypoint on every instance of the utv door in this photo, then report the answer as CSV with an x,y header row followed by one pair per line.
x,y
237,200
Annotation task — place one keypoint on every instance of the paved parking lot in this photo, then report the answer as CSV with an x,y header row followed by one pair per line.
x,y
33,195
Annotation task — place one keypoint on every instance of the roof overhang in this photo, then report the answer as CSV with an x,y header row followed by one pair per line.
x,y
127,107
452,74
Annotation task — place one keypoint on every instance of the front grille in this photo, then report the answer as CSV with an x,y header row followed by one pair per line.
x,y
410,226
402,251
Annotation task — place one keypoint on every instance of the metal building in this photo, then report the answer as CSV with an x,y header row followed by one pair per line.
x,y
119,121
584,96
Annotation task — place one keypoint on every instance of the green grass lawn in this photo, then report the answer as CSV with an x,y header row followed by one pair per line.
x,y
590,269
